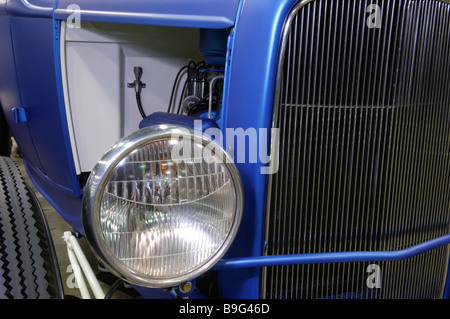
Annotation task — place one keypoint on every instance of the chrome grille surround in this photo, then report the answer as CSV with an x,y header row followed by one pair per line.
x,y
364,118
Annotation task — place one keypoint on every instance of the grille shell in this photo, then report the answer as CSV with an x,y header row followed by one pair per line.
x,y
364,148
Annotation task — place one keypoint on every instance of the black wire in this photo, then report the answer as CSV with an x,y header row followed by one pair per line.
x,y
202,63
174,86
192,71
183,94
139,104
186,91
113,288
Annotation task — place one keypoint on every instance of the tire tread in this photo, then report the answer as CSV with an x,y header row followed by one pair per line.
x,y
25,250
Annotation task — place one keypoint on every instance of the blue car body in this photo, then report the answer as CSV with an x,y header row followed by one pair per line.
x,y
31,96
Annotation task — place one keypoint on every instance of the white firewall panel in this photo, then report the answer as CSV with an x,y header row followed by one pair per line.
x,y
93,78
98,60
158,75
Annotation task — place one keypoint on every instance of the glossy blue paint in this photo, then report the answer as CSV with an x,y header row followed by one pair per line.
x,y
338,257
213,14
248,103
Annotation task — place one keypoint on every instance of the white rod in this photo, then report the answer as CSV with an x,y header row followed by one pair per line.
x,y
90,276
81,284
211,85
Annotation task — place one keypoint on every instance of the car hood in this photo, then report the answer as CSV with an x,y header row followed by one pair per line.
x,y
214,14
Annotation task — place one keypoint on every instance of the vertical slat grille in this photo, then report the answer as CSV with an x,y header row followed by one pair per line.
x,y
364,147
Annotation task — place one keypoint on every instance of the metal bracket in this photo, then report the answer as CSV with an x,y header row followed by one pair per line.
x,y
19,115
137,84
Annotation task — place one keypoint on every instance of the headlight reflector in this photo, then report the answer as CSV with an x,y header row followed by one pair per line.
x,y
155,220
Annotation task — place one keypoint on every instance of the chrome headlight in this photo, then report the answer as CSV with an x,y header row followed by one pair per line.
x,y
156,220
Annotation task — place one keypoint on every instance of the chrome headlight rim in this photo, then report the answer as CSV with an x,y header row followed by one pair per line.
x,y
99,177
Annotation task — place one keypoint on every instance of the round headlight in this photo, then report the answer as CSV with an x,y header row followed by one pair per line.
x,y
162,206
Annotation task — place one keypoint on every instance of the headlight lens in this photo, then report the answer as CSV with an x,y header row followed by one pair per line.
x,y
158,221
